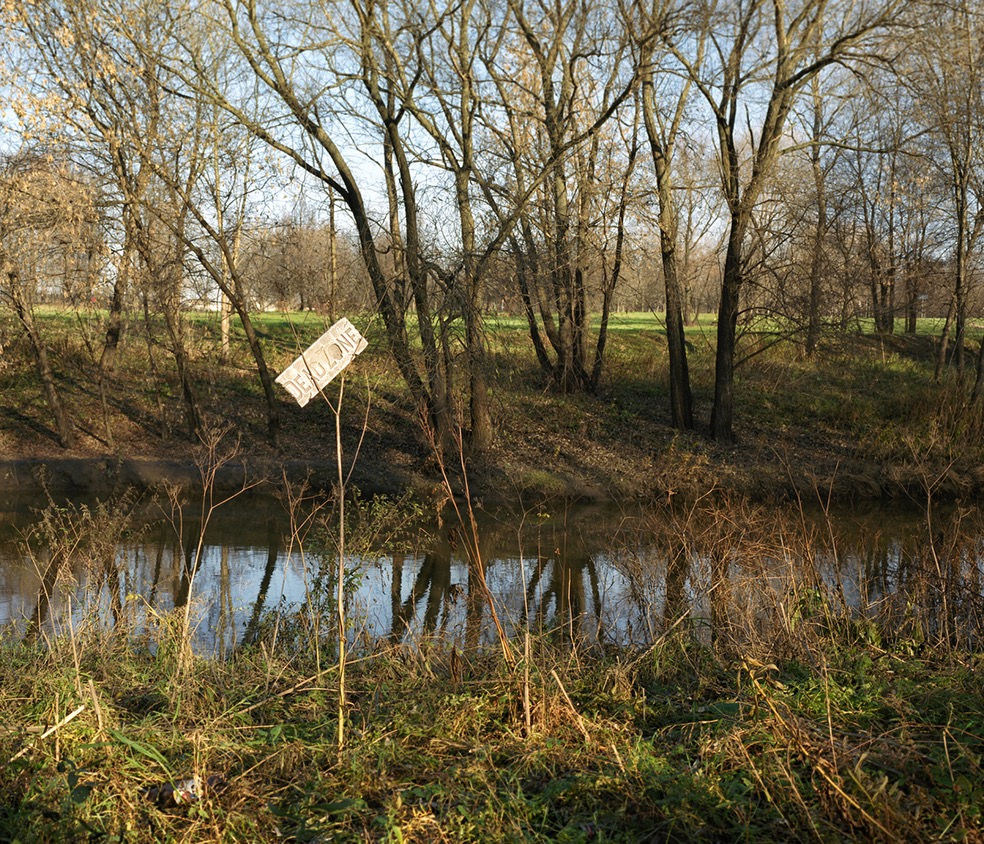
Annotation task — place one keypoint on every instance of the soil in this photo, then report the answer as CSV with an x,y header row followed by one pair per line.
x,y
576,448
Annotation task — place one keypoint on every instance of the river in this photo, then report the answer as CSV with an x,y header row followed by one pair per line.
x,y
594,574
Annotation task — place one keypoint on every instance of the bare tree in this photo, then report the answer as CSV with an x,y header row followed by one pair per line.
x,y
760,56
303,263
211,172
48,223
824,197
946,76
97,61
443,65
664,108
561,78
344,45
818,260
101,62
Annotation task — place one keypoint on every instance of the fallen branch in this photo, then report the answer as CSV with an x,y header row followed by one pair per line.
x,y
71,715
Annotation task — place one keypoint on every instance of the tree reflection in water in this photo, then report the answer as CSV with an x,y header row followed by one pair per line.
x,y
188,563
262,595
435,598
579,582
558,589
432,585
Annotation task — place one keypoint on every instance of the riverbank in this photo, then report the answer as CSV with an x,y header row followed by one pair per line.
x,y
689,466
639,461
864,419
832,732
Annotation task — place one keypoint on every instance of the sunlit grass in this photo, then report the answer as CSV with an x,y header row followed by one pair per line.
x,y
798,719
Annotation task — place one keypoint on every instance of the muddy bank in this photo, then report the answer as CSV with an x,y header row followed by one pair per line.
x,y
100,476
757,475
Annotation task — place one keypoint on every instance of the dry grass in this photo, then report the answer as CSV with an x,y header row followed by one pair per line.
x,y
766,705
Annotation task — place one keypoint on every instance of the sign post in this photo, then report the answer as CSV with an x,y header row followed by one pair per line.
x,y
322,361
325,358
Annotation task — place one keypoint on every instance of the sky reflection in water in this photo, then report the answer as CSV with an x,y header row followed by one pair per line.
x,y
586,573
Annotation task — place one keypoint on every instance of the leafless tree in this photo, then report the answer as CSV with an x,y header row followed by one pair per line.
x,y
946,76
48,231
562,77
664,100
760,56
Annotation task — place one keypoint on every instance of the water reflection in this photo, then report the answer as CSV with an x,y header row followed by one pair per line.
x,y
263,595
579,576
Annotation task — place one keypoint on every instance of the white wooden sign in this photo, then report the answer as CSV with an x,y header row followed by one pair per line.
x,y
322,361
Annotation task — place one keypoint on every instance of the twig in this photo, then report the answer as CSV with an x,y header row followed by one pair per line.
x,y
659,640
71,715
95,704
297,687
577,715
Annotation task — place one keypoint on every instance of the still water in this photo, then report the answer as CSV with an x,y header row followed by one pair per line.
x,y
593,573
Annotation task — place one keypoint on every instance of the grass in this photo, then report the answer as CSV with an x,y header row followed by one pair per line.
x,y
761,709
679,743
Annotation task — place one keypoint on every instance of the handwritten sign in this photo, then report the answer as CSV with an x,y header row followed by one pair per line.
x,y
322,361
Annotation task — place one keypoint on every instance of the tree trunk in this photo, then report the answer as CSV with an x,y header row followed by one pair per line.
x,y
681,398
189,395
608,293
481,418
273,406
944,343
911,301
114,322
480,422
225,327
523,273
820,233
960,284
722,412
661,147
979,380
63,424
